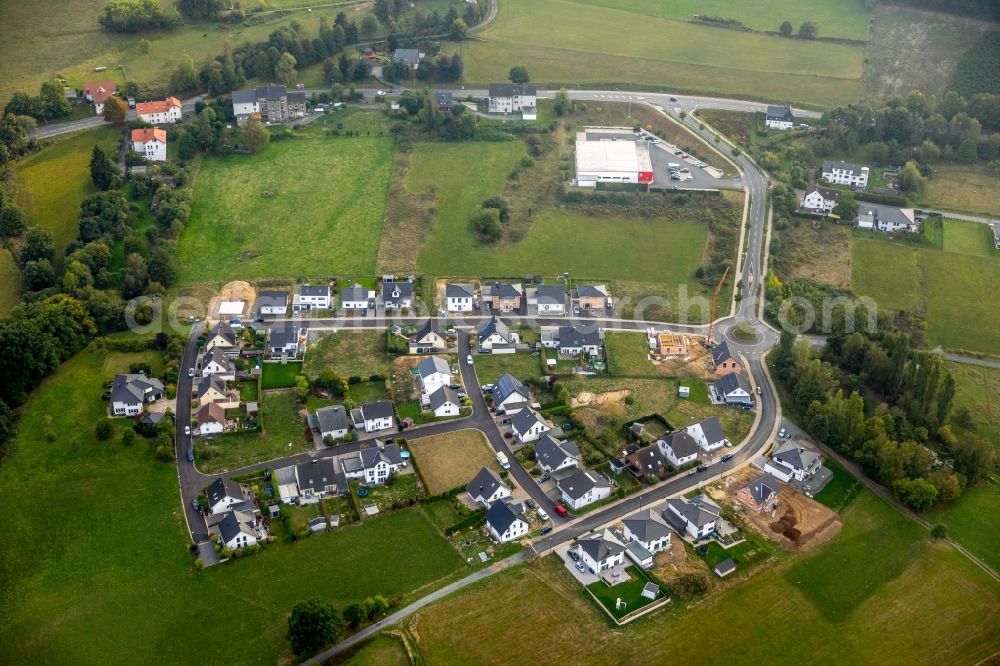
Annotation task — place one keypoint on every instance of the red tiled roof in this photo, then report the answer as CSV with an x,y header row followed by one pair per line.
x,y
148,134
100,91
144,108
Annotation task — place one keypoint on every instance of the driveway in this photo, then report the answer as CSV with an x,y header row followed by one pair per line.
x,y
585,578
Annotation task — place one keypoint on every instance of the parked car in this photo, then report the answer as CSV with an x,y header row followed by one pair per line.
x,y
187,430
573,555
380,93
560,509
673,99
190,455
783,434
545,530
195,505
580,567
727,457
702,468
692,472
530,503
542,515
760,390
543,478
468,359
655,140
190,372
486,388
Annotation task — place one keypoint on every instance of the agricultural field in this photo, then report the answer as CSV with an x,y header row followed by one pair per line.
x,y
451,248
946,285
279,415
10,281
451,460
978,390
963,188
700,58
52,183
63,599
275,214
833,605
348,353
909,48
971,521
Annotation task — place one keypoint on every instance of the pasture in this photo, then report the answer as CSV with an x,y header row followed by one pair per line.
x,y
278,213
922,585
451,460
978,390
52,183
660,53
963,188
948,286
71,596
971,521
557,240
10,281
968,238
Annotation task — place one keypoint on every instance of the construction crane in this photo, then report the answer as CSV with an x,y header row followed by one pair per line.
x,y
715,302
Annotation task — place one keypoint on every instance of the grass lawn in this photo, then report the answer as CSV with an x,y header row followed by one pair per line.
x,y
887,273
755,549
629,592
963,188
349,354
279,375
405,488
972,521
628,354
923,584
380,651
279,415
10,281
735,422
451,460
71,595
841,490
307,228
968,238
52,183
490,367
978,390
583,51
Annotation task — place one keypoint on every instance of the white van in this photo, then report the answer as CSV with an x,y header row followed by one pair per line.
x,y
502,459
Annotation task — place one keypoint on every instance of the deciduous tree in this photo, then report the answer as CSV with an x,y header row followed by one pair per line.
x,y
312,625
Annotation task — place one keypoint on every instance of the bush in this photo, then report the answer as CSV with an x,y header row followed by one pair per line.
x,y
103,430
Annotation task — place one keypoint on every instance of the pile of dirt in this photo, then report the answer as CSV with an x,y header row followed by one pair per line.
x,y
785,525
591,399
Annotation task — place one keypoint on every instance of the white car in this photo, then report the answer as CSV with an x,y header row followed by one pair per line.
x,y
187,430
380,93
190,372
541,514
468,359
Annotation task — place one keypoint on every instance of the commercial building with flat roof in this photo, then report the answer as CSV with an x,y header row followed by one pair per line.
x,y
614,159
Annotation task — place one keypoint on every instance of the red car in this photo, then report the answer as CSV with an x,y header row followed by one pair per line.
x,y
560,509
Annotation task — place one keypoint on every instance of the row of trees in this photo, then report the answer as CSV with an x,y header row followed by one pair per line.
x,y
808,30
315,623
138,15
888,438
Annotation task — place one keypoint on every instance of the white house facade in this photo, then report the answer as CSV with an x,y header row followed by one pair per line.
x,y
844,173
459,297
159,113
511,97
819,200
151,143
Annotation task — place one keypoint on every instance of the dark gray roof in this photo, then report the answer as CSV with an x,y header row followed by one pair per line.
x,y
649,459
780,113
272,93
721,353
217,355
508,385
795,456
372,456
551,293
504,290
297,98
491,326
589,290
825,192
314,290
330,419
234,523
355,293
396,292
130,388
244,96
599,548
730,383
222,488
572,337
524,419
484,484
410,56
763,487
444,100
681,443
152,418
459,290
712,429
552,453
225,330
282,336
430,326
511,89
578,483
830,165
694,510
725,567
431,365
887,214
212,381
647,525
444,395
316,474
377,410
501,517
272,299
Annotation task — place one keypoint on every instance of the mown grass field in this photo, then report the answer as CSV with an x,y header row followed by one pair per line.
x,y
869,616
489,368
948,286
978,390
557,241
628,354
279,375
380,651
114,578
451,460
966,238
279,413
348,353
52,183
972,521
848,20
963,188
325,216
10,281
564,41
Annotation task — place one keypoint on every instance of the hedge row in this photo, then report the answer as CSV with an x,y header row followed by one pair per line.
x,y
476,519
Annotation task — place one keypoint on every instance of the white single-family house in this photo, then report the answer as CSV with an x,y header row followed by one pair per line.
x,y
648,528
330,422
397,295
494,336
528,425
357,298
150,143
844,173
509,395
553,455
487,487
733,390
131,391
550,299
574,340
459,297
582,488
511,97
211,419
160,112
312,297
708,434
378,462
602,551
217,362
444,401
504,524
695,517
224,493
98,93
792,461
317,478
430,338
434,372
374,416
272,302
679,448
223,336
887,219
819,199
283,341
237,529
779,118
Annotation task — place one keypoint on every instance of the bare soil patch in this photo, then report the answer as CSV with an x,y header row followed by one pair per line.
x,y
238,290
586,398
